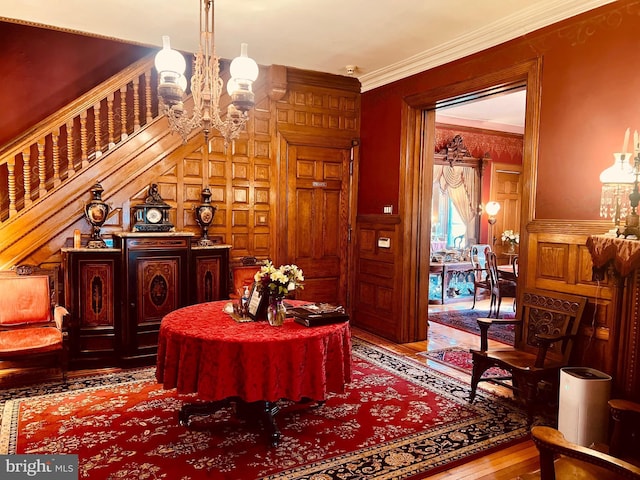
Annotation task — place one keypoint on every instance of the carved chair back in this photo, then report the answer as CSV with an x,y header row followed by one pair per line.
x,y
550,314
492,269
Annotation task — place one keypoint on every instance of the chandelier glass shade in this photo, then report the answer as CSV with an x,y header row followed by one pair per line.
x,y
617,184
206,85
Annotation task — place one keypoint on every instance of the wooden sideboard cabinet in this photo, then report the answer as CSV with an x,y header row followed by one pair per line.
x,y
155,281
91,280
118,296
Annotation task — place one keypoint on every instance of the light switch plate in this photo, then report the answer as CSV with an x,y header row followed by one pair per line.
x,y
387,209
384,242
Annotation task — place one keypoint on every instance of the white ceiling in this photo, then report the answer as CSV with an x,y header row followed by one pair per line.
x,y
385,39
499,112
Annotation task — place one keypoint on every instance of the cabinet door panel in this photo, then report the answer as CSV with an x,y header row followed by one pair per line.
x,y
93,300
209,274
158,287
96,293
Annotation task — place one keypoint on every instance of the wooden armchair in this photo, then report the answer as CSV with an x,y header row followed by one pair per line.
x,y
561,459
33,328
548,323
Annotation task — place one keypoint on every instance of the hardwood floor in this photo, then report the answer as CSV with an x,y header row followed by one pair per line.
x,y
504,464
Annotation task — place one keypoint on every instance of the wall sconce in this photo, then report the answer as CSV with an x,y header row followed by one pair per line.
x,y
492,209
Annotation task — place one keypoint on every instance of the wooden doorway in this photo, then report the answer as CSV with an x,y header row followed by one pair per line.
x,y
417,164
316,215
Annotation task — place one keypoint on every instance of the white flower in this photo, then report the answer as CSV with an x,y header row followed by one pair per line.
x,y
279,281
511,237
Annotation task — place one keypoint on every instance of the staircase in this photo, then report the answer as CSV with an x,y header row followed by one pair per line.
x,y
112,135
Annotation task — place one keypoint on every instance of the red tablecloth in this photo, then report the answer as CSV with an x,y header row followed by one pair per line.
x,y
202,349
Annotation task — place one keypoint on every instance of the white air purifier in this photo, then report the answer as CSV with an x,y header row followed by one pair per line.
x,y
583,415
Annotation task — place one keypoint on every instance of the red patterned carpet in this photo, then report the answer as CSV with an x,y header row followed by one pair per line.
x,y
398,419
460,359
466,320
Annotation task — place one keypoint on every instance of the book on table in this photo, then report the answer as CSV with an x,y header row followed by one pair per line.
x,y
315,314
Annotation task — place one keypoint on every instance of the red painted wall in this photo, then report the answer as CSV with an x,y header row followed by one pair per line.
x,y
43,70
590,95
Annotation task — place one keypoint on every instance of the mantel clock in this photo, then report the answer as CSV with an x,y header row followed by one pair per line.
x,y
153,214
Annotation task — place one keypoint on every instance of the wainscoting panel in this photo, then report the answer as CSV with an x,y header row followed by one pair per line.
x,y
552,261
377,285
560,261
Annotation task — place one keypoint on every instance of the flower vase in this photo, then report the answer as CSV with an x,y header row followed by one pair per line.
x,y
512,247
276,312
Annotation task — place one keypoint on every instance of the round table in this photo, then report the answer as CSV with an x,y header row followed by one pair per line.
x,y
203,350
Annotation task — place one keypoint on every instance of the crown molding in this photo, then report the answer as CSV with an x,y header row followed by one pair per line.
x,y
538,15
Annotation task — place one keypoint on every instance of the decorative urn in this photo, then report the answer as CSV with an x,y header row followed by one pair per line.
x,y
96,212
204,216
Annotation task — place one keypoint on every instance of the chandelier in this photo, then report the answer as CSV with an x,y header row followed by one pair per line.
x,y
206,85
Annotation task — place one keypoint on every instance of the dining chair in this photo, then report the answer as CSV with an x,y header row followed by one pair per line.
x,y
499,287
479,270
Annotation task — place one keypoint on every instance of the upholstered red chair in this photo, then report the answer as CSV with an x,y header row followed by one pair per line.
x,y
242,275
32,328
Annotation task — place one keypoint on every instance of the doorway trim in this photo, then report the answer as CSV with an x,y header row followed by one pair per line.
x,y
416,173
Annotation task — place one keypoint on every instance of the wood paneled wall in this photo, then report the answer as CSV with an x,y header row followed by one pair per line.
x,y
555,258
378,275
559,260
244,179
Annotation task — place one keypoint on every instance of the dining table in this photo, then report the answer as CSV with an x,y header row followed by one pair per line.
x,y
250,365
507,272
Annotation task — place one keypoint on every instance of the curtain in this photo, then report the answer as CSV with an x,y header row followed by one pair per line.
x,y
461,185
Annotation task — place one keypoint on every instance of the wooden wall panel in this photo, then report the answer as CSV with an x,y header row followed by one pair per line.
x,y
552,261
560,261
243,177
377,283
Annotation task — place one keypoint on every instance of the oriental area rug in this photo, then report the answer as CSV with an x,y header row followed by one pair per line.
x,y
398,419
466,320
460,359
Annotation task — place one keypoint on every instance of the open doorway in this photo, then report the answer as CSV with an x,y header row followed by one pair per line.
x,y
416,192
482,143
